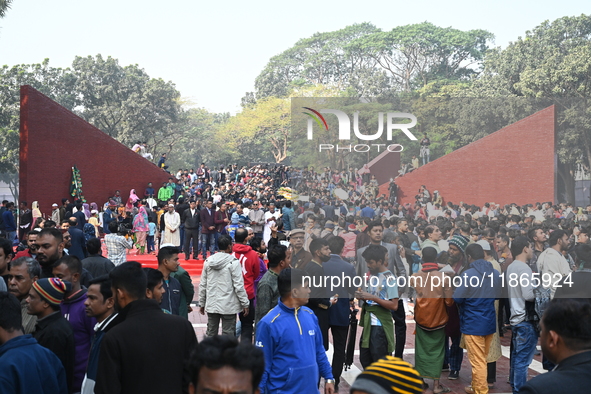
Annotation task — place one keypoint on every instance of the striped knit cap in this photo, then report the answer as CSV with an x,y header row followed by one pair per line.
x,y
389,375
459,241
52,290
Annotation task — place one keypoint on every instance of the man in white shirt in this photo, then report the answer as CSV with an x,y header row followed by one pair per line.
x,y
271,219
552,265
172,222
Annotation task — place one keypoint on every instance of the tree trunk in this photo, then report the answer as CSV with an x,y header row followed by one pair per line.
x,y
566,173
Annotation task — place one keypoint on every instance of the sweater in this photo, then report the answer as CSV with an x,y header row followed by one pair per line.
x,y
249,260
74,311
267,295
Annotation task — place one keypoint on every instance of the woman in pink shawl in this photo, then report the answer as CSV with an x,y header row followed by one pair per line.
x,y
140,228
133,197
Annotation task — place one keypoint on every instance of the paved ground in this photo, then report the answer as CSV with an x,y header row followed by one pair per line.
x,y
457,386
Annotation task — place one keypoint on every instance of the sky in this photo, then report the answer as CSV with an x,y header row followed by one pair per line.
x,y
213,51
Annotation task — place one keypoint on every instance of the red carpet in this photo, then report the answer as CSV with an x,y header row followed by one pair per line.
x,y
193,267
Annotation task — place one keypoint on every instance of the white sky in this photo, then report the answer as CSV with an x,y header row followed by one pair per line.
x,y
213,51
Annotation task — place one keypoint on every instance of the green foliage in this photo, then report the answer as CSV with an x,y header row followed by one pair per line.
x,y
125,102
374,63
202,140
320,59
553,61
55,83
122,101
4,6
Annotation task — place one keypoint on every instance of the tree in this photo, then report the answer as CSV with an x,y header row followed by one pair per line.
x,y
4,6
261,131
202,140
320,59
56,83
125,102
370,63
552,61
414,55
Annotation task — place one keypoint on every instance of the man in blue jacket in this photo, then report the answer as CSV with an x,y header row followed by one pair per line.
x,y
9,222
475,297
290,338
288,218
25,366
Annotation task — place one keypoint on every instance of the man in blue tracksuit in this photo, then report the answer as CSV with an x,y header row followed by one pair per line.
x,y
290,338
475,297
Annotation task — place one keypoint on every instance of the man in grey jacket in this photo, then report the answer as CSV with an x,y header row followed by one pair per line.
x,y
221,290
375,231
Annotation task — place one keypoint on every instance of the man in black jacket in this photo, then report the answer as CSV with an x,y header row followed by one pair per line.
x,y
566,341
145,352
319,297
52,330
190,219
77,239
95,263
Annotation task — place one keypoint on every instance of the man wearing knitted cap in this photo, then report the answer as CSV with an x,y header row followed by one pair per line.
x,y
52,330
388,375
457,248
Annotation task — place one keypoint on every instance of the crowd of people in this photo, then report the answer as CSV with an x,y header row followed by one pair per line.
x,y
467,274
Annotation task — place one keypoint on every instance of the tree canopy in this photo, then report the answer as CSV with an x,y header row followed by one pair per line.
x,y
458,87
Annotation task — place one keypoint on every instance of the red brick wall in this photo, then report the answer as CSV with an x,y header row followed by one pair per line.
x,y
515,164
53,140
385,166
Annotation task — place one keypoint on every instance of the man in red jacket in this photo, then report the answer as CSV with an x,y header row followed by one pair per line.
x,y
249,260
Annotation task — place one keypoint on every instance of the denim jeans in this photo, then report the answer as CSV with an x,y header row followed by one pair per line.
x,y
150,241
425,153
216,237
11,236
523,340
207,242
